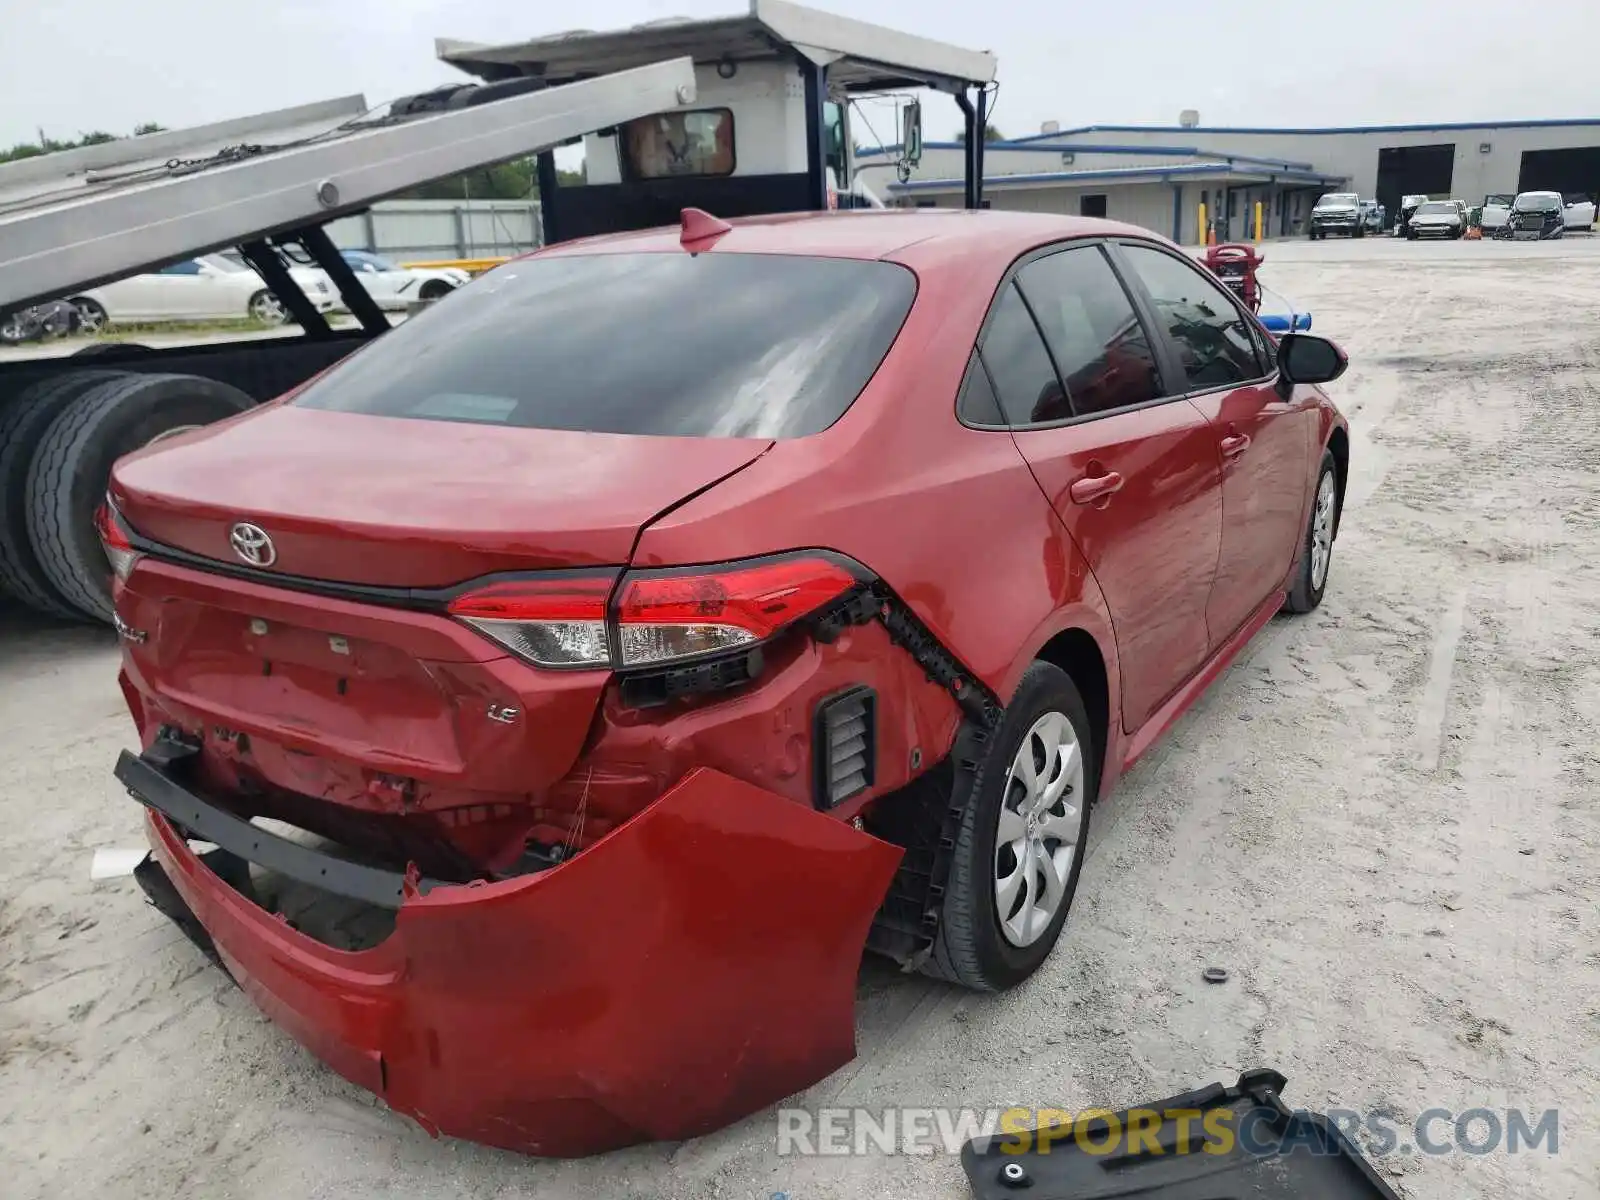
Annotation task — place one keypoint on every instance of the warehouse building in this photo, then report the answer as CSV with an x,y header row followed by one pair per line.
x,y
1158,176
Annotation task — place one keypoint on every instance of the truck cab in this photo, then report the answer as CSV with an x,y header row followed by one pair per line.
x,y
769,126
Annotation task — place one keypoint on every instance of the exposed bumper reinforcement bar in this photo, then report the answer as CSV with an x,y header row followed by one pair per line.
x,y
152,785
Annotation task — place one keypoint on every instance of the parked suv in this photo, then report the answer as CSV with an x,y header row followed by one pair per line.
x,y
1337,212
1536,215
643,660
1578,211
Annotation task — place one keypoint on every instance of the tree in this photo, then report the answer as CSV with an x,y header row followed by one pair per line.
x,y
49,145
990,134
515,180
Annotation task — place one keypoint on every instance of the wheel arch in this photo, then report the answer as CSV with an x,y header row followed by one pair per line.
x,y
1339,447
1076,651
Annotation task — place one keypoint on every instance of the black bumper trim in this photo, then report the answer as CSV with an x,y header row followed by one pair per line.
x,y
152,785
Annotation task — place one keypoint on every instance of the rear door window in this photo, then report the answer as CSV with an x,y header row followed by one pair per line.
x,y
706,345
1024,378
1100,348
1211,334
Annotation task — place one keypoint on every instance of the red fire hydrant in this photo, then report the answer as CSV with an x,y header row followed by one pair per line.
x,y
1235,264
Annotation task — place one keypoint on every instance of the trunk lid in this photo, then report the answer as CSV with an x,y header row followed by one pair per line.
x,y
387,728
395,502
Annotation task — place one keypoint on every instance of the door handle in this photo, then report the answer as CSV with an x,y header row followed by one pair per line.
x,y
1235,445
1096,487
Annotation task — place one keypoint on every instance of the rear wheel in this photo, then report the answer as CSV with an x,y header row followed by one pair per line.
x,y
434,289
268,309
1014,870
1316,554
24,420
91,315
73,463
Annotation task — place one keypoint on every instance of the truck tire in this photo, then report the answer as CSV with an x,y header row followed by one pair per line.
x,y
70,469
24,420
98,349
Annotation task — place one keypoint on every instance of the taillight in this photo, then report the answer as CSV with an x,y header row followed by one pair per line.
x,y
114,537
555,621
659,617
668,615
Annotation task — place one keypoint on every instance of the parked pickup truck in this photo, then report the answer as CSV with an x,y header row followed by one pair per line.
x,y
1337,212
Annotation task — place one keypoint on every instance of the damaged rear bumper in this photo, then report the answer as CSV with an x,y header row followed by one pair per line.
x,y
691,967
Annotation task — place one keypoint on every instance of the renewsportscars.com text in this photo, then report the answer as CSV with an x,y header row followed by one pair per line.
x,y
1436,1131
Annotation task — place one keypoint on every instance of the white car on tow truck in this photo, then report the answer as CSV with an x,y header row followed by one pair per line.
x,y
396,287
211,287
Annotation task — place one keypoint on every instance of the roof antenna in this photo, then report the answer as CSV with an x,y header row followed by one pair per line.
x,y
699,230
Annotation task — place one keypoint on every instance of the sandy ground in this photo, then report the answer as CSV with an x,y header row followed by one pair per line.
x,y
1384,821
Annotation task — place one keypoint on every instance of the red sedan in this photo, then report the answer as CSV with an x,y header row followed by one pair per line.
x,y
641,632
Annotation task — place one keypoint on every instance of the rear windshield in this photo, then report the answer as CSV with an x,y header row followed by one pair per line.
x,y
707,345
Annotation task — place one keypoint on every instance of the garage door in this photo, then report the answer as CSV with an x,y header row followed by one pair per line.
x,y
1414,171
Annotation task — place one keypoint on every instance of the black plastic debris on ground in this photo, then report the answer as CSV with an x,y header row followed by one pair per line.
x,y
1240,1142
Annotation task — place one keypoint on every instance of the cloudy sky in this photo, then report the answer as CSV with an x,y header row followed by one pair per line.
x,y
67,66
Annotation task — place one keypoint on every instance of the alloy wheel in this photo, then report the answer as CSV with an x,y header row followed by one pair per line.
x,y
1322,532
268,309
1041,820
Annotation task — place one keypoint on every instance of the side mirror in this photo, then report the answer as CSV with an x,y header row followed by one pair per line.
x,y
911,133
1306,358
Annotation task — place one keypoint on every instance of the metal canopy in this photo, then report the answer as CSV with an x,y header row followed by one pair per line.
x,y
860,57
75,219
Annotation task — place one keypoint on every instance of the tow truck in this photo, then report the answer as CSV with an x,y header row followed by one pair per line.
x,y
741,115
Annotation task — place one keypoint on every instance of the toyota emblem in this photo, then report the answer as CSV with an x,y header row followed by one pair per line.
x,y
251,543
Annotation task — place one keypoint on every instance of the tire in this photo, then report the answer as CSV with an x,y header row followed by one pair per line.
x,y
92,316
24,420
73,463
434,290
1358,232
1307,591
267,308
13,332
971,949
96,349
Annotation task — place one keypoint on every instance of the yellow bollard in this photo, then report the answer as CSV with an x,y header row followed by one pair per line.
x,y
1258,220
1200,229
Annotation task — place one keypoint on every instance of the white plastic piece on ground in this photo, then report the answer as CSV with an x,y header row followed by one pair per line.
x,y
115,863
118,862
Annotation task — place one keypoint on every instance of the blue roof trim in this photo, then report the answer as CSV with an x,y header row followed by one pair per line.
x,y
1424,128
1205,168
1075,148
